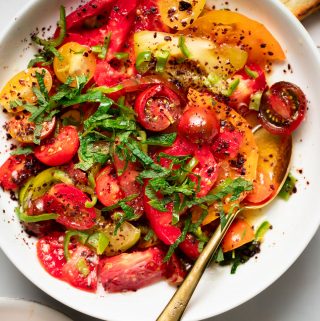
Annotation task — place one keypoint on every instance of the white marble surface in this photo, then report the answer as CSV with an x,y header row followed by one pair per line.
x,y
294,297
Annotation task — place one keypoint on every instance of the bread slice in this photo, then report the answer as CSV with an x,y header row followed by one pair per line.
x,y
302,8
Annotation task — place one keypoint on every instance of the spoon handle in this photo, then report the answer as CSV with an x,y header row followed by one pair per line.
x,y
178,303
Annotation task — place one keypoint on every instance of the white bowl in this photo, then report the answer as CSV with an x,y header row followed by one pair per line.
x,y
22,310
294,223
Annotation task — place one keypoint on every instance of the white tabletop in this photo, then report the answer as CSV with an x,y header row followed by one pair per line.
x,y
294,297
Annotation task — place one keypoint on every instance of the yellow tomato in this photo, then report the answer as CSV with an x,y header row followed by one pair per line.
x,y
74,60
19,88
227,27
21,129
179,15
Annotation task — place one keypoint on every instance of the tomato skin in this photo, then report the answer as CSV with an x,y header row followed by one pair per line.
x,y
69,203
71,274
22,130
283,108
239,233
132,271
59,150
16,170
158,107
199,125
107,187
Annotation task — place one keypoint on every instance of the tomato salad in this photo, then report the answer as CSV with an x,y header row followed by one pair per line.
x,y
135,129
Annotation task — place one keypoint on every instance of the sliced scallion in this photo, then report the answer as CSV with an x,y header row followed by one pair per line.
x,y
262,230
143,60
162,57
184,49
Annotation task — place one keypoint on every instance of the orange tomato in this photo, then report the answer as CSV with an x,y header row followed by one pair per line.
x,y
227,27
239,233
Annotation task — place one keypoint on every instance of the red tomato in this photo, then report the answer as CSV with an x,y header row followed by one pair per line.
x,y
239,233
132,271
90,10
283,108
50,253
81,270
227,144
161,224
199,125
59,150
175,271
69,202
206,170
16,170
77,175
148,17
249,85
157,107
107,187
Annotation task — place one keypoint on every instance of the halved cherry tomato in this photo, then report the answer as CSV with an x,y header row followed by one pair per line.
x,y
21,129
107,187
239,233
157,107
69,203
199,125
16,170
283,108
81,270
19,88
78,60
59,150
132,271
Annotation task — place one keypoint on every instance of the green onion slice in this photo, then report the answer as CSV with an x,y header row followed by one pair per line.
x,y
184,49
143,60
162,57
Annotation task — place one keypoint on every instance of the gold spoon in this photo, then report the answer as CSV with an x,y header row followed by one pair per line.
x,y
279,165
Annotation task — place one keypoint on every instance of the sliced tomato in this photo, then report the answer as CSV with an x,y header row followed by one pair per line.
x,y
252,80
60,149
227,144
161,223
16,170
89,13
50,253
157,107
77,175
175,271
81,270
199,125
21,129
239,233
69,202
206,170
283,108
148,17
132,271
107,187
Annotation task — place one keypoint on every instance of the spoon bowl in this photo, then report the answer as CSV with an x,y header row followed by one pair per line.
x,y
274,157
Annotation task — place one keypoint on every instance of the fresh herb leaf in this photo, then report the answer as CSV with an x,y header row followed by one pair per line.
x,y
179,240
23,151
161,140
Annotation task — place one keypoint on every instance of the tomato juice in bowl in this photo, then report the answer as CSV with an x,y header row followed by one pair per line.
x,y
221,277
